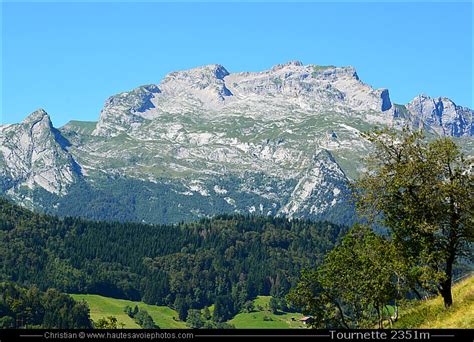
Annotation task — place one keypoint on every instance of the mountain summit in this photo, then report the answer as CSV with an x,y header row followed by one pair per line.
x,y
212,90
34,154
38,116
441,115
283,141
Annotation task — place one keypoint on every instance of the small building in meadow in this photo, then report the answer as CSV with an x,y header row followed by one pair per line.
x,y
307,320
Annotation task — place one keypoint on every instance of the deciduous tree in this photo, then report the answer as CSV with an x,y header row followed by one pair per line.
x,y
423,192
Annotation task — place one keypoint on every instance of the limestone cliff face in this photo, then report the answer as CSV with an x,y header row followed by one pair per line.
x,y
35,154
441,115
212,90
283,141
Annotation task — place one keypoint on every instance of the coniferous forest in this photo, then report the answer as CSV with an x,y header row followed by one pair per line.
x,y
226,260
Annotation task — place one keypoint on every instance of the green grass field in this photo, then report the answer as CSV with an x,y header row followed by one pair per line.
x,y
432,314
420,314
265,319
104,306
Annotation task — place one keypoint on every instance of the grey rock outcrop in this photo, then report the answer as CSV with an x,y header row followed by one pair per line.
x,y
33,153
441,115
283,141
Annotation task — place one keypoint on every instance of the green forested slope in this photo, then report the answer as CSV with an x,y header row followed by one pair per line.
x,y
226,260
22,307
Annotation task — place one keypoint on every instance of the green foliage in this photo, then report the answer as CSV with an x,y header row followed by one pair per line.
x,y
131,200
357,281
7,322
218,325
181,305
248,306
206,314
128,310
202,319
273,305
423,192
109,322
141,317
223,309
195,319
122,199
26,308
185,266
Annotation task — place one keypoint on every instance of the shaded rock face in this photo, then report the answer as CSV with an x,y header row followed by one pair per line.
x,y
386,103
284,141
123,110
442,115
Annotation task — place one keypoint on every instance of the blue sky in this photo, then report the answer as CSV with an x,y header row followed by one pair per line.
x,y
68,58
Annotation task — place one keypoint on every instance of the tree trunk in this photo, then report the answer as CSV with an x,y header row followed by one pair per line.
x,y
446,293
446,285
379,317
417,293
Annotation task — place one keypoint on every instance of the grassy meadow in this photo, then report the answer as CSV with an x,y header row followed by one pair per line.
x,y
431,314
167,318
263,318
101,306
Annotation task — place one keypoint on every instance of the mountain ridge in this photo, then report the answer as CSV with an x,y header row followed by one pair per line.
x,y
206,141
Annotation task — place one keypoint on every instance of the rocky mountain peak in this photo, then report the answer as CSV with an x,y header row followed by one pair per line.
x,y
211,71
424,100
206,83
287,65
38,116
135,100
219,71
333,72
211,90
124,109
442,115
34,153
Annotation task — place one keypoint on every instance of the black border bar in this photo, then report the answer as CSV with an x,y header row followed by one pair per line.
x,y
317,335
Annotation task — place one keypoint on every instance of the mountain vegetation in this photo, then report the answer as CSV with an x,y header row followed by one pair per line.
x,y
432,314
103,307
421,192
141,317
225,261
261,315
114,313
356,285
22,307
